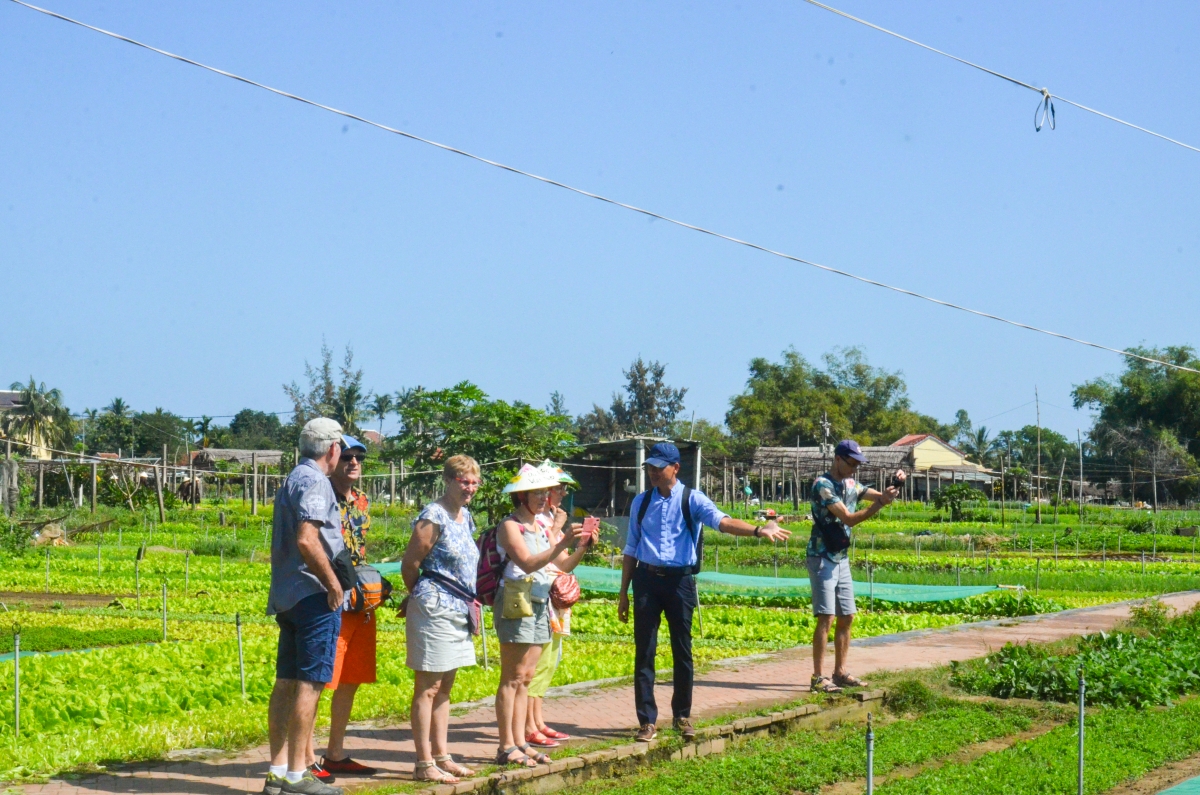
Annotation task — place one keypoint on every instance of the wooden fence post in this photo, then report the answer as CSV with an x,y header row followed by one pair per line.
x,y
254,484
94,474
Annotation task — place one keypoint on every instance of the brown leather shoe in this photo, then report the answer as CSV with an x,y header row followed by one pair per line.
x,y
647,733
685,729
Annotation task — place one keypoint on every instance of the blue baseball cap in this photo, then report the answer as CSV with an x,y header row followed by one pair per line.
x,y
349,443
848,448
663,454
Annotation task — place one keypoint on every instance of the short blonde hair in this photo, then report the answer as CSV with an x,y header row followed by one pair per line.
x,y
458,465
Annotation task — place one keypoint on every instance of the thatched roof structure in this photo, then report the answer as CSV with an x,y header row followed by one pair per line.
x,y
209,456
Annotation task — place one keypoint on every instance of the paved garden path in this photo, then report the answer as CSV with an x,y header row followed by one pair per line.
x,y
597,714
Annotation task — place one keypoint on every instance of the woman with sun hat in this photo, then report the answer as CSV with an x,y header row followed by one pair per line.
x,y
521,614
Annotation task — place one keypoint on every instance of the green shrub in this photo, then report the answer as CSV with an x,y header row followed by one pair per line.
x,y
910,696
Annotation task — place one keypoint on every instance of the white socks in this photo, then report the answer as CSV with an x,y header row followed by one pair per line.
x,y
278,770
294,776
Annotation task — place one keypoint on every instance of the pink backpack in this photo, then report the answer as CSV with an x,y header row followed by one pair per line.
x,y
490,569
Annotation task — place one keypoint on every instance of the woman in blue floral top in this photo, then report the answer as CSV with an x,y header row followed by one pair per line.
x,y
438,637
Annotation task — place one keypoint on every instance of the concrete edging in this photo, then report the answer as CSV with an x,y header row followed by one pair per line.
x,y
624,759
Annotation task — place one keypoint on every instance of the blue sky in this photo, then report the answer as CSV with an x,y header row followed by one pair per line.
x,y
186,241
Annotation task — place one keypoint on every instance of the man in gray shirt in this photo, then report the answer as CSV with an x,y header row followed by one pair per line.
x,y
306,600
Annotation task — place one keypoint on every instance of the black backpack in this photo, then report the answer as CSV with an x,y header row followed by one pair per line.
x,y
687,520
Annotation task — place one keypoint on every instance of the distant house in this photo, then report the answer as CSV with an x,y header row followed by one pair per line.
x,y
928,462
208,457
372,437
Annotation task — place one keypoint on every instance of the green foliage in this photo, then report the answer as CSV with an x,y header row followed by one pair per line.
x,y
910,695
783,402
648,406
1139,523
345,401
64,638
1122,745
38,417
1122,668
807,761
463,420
955,497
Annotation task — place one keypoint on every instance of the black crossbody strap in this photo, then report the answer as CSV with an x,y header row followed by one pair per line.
x,y
452,585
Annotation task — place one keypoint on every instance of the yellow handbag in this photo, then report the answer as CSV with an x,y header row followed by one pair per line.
x,y
518,602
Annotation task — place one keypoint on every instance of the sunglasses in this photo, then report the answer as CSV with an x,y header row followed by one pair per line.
x,y
346,459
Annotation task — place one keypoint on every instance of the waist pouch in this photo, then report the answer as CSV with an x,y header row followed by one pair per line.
x,y
370,590
834,534
518,598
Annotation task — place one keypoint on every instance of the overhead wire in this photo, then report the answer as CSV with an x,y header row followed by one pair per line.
x,y
1045,106
614,202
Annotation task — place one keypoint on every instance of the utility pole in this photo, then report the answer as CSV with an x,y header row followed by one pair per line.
x,y
1002,517
1079,439
1037,402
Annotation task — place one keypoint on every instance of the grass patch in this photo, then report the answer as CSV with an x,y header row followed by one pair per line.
x,y
1121,744
805,761
67,638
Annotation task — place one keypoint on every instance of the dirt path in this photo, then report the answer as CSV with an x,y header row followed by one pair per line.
x,y
735,686
1161,778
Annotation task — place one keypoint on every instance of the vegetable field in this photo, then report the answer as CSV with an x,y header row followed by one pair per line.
x,y
110,688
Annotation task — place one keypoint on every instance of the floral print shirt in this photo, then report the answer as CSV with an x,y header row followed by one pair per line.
x,y
825,492
454,555
356,520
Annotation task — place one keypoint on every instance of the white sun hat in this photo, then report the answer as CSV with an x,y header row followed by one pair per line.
x,y
559,473
531,478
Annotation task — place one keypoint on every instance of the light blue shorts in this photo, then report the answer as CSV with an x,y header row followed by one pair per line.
x,y
832,590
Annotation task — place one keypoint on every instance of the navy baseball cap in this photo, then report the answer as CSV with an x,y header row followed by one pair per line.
x,y
848,448
349,443
663,454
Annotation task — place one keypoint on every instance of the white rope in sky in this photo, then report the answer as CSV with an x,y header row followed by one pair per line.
x,y
614,202
1046,93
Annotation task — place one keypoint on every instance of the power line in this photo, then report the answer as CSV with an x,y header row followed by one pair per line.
x,y
1045,107
606,200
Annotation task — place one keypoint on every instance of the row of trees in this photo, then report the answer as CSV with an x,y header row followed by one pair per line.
x,y
1147,418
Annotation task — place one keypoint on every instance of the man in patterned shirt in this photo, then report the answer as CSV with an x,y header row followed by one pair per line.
x,y
835,497
355,661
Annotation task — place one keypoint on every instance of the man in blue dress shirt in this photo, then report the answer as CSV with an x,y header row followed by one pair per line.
x,y
661,561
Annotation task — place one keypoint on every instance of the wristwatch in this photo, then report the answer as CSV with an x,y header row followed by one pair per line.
x,y
757,531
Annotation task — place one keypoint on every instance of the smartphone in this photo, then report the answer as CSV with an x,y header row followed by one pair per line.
x,y
591,526
898,481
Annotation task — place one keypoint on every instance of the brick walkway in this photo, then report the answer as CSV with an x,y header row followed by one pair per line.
x,y
598,714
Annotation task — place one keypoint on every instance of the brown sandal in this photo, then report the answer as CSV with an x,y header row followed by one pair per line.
x,y
848,680
823,684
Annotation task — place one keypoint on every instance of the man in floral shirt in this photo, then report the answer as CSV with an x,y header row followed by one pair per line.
x,y
355,662
835,497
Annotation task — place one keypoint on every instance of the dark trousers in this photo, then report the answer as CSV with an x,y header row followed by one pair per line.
x,y
654,596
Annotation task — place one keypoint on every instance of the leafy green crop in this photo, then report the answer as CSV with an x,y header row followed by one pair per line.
x,y
1122,668
63,638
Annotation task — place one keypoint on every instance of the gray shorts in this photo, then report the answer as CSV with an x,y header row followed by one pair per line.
x,y
832,590
533,629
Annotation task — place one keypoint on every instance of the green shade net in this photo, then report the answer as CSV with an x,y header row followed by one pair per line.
x,y
1189,787
602,580
593,578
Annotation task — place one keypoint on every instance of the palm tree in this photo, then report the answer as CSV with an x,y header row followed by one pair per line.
x,y
39,416
118,408
381,407
200,427
348,407
978,445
